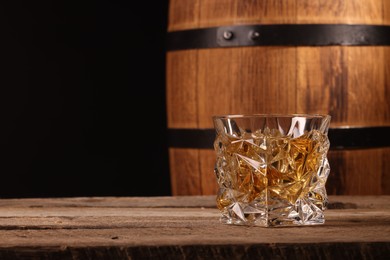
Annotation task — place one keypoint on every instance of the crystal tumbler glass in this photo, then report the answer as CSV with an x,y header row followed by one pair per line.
x,y
272,169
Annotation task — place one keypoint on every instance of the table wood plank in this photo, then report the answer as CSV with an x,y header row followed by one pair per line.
x,y
356,227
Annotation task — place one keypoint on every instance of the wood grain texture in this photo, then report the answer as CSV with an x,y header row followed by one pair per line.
x,y
208,179
359,172
183,227
186,177
351,83
191,14
182,78
194,175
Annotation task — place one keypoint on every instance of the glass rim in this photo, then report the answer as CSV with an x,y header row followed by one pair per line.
x,y
272,115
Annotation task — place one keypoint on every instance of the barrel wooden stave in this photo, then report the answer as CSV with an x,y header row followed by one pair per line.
x,y
192,14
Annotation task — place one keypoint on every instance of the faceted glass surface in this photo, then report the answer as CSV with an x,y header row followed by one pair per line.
x,y
272,169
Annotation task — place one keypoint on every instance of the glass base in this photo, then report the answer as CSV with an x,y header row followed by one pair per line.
x,y
304,212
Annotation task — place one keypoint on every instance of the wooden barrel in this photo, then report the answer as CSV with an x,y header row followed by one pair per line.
x,y
298,56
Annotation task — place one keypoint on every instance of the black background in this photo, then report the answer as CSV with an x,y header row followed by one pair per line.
x,y
83,98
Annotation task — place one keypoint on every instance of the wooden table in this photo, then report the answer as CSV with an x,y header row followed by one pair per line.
x,y
184,227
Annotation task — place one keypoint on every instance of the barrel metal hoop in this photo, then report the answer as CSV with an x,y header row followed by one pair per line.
x,y
279,35
340,138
